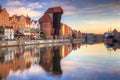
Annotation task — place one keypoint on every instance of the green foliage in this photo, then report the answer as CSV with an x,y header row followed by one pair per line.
x,y
42,36
0,7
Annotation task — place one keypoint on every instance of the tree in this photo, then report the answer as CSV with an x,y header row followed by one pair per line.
x,y
0,7
42,35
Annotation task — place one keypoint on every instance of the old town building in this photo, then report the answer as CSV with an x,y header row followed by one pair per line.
x,y
6,30
53,17
79,35
27,27
4,18
46,25
65,31
35,29
75,34
14,22
18,23
35,25
21,23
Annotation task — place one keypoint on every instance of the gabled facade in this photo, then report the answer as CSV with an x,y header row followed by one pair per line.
x,y
4,18
14,22
51,20
35,29
22,21
79,35
46,25
75,34
69,32
35,25
6,29
27,26
65,31
18,23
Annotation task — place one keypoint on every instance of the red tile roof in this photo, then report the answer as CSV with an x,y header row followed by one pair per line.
x,y
17,17
45,18
54,10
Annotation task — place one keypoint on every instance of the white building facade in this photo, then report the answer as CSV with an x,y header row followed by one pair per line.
x,y
35,28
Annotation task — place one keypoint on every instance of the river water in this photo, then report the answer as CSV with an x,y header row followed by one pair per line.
x,y
78,61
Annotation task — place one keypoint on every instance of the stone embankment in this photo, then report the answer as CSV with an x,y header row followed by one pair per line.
x,y
34,42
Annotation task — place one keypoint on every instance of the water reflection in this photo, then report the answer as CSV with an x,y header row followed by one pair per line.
x,y
68,61
56,61
114,46
21,58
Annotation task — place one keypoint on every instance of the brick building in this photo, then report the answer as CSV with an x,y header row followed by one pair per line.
x,y
4,18
6,30
53,17
75,34
14,22
46,25
65,31
21,22
18,23
27,27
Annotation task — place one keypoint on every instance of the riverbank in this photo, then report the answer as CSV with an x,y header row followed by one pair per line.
x,y
35,42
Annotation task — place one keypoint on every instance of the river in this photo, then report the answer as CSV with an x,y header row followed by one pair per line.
x,y
78,61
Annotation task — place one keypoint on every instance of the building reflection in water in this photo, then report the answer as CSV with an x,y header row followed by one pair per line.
x,y
49,58
76,45
56,61
46,58
21,58
112,46
18,58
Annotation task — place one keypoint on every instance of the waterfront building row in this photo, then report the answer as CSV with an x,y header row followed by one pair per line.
x,y
47,27
16,26
48,23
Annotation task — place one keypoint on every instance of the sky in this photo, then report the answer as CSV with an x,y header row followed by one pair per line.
x,y
91,16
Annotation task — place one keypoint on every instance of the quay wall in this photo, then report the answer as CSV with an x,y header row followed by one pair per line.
x,y
34,42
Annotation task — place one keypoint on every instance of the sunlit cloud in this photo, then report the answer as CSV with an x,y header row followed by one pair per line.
x,y
34,5
21,8
14,3
23,11
35,72
90,13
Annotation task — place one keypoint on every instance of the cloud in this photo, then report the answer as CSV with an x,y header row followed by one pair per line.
x,y
34,5
23,8
70,10
14,3
35,72
23,11
96,9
